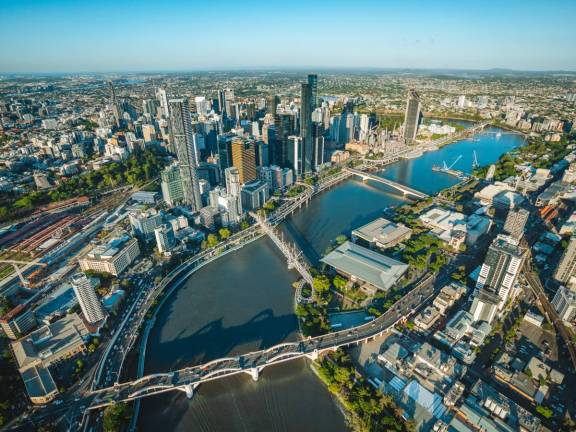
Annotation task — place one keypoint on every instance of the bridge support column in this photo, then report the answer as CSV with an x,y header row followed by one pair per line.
x,y
254,373
313,355
189,389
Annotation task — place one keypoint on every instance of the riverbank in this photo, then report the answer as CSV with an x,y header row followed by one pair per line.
x,y
247,302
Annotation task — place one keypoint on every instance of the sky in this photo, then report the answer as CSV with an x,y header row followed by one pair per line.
x,y
170,35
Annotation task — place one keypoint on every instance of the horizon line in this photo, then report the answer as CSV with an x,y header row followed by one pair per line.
x,y
287,69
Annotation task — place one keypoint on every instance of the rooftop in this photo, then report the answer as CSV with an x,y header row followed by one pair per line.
x,y
382,231
369,266
49,341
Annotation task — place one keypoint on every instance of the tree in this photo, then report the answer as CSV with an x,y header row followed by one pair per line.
x,y
224,233
321,284
341,239
5,304
339,282
211,240
114,417
244,225
545,412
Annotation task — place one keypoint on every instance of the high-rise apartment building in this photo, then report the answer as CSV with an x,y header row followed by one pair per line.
x,y
182,136
163,100
497,278
244,158
171,185
115,106
89,303
285,126
564,303
565,272
412,116
165,239
308,102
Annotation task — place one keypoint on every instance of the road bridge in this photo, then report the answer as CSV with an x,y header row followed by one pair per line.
x,y
406,190
188,379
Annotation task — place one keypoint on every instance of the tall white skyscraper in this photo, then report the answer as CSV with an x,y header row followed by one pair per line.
x,y
182,137
87,298
163,99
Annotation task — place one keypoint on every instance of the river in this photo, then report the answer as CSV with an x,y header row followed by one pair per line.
x,y
244,302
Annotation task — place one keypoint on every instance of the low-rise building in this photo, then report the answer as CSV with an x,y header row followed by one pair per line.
x,y
427,318
448,295
373,270
51,343
18,321
453,227
381,233
48,345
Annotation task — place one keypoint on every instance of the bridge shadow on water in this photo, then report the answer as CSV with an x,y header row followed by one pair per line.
x,y
215,340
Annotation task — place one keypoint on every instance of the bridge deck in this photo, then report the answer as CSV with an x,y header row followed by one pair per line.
x,y
402,188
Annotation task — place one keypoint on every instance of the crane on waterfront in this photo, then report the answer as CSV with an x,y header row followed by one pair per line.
x,y
475,163
445,167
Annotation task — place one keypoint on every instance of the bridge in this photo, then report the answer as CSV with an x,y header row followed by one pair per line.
x,y
290,252
188,379
406,190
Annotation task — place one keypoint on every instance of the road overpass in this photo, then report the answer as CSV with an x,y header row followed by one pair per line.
x,y
406,190
188,379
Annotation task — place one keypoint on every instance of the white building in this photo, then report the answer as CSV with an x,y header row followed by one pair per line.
x,y
564,303
87,298
112,257
164,238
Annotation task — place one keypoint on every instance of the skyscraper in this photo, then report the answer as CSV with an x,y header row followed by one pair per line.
x,y
87,298
182,136
171,185
566,270
285,125
115,106
308,103
497,278
412,117
272,103
163,100
244,158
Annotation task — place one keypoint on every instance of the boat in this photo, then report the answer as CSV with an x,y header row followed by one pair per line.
x,y
498,135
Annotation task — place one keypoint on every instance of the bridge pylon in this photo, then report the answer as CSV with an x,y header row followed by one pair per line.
x,y
189,389
254,373
314,355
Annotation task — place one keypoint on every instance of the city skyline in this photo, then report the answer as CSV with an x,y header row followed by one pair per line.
x,y
65,37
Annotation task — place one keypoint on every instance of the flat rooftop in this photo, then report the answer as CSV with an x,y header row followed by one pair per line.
x,y
366,265
382,231
48,342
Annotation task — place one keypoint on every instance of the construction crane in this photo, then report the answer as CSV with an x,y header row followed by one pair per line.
x,y
448,168
475,163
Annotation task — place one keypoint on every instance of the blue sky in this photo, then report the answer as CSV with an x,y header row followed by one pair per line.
x,y
126,35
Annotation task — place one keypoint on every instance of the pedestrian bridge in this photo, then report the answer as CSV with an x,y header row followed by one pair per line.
x,y
188,379
406,190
